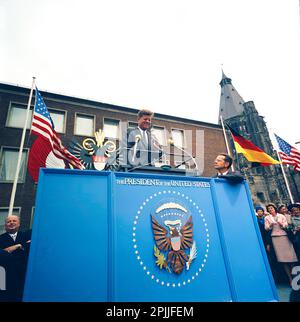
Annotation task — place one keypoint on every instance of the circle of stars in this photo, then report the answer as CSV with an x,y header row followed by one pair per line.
x,y
135,245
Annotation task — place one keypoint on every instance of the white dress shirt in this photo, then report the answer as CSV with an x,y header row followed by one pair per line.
x,y
14,236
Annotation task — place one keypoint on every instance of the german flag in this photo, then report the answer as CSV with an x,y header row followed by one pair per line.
x,y
251,152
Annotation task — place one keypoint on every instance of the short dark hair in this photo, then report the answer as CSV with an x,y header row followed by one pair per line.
x,y
281,206
227,158
271,205
144,112
293,205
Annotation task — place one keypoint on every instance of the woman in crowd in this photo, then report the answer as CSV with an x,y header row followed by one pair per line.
x,y
282,209
284,250
295,211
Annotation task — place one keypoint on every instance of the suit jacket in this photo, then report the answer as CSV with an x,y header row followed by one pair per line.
x,y
232,176
143,152
22,237
15,264
266,235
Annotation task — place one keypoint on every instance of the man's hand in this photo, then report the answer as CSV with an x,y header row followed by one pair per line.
x,y
11,249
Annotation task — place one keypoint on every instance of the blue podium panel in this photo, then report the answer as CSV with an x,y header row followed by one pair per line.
x,y
248,265
105,236
68,255
170,200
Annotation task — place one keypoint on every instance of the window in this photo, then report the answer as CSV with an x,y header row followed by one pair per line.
x,y
3,215
259,170
84,125
160,134
273,195
261,196
111,128
9,159
178,138
58,118
16,116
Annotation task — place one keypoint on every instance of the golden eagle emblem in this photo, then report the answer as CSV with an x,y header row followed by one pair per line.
x,y
173,238
96,154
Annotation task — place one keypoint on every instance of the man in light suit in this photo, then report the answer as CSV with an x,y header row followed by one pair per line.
x,y
222,164
143,147
14,246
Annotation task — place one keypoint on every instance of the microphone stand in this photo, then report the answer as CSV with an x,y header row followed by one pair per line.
x,y
185,152
142,165
137,139
184,162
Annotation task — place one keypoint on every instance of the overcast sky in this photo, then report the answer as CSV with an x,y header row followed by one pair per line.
x,y
164,55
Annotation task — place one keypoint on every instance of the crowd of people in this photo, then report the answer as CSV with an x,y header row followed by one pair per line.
x,y
280,231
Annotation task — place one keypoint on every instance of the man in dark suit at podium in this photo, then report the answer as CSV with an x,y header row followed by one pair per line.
x,y
222,164
14,246
143,147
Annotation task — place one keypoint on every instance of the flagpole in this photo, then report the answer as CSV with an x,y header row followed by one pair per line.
x,y
226,141
14,188
285,178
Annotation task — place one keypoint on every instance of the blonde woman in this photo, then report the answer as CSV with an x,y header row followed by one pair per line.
x,y
284,249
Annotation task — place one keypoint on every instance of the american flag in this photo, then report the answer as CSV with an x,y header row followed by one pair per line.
x,y
289,154
42,125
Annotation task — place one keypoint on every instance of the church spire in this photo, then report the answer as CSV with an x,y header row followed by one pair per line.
x,y
231,103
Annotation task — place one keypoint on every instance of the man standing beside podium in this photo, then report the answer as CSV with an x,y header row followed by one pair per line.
x,y
222,164
143,147
14,247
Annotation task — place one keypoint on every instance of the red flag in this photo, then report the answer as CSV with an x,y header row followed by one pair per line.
x,y
47,150
41,156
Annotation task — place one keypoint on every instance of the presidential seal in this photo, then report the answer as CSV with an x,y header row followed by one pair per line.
x,y
174,237
170,238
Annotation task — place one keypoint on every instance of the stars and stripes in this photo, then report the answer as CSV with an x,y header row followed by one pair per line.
x,y
43,126
288,154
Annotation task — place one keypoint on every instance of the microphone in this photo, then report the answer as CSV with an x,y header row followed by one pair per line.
x,y
138,138
171,142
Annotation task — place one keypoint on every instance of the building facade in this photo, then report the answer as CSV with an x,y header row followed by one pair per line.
x,y
266,183
77,118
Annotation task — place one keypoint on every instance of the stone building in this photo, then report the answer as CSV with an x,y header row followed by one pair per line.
x,y
266,183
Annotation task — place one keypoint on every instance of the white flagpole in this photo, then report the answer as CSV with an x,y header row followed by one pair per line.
x,y
281,166
14,188
226,141
285,178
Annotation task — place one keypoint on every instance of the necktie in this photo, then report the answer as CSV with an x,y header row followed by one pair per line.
x,y
145,138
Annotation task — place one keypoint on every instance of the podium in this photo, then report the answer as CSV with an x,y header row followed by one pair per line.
x,y
96,237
